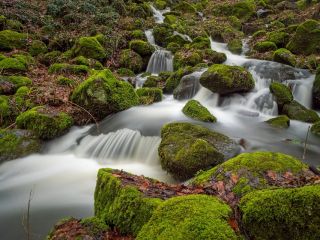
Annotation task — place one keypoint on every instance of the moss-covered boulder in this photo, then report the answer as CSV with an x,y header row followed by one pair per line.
x,y
149,95
265,46
284,56
194,109
141,47
280,122
282,213
315,129
316,91
279,38
212,57
153,81
186,148
102,94
17,143
10,40
12,66
282,93
235,46
161,32
44,123
174,79
121,204
51,58
131,60
13,83
38,47
306,38
89,47
194,217
296,111
250,171
225,79
184,57
184,7
201,43
7,112
62,68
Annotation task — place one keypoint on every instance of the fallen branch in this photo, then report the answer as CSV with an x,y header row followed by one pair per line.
x,y
26,218
305,144
85,110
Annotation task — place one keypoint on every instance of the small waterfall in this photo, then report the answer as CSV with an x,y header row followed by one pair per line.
x,y
124,144
302,89
158,14
160,61
184,36
150,37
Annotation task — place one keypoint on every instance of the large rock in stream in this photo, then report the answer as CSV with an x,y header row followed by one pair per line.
x,y
186,148
225,79
188,86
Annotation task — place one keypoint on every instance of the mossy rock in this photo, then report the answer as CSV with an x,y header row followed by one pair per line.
x,y
102,94
17,143
316,90
282,93
306,38
244,9
141,47
81,60
173,81
160,4
194,109
186,148
315,129
170,19
15,82
7,111
12,66
22,99
225,79
184,7
284,56
249,171
10,40
279,38
176,38
149,95
131,60
296,111
124,72
61,68
38,47
265,46
195,217
64,81
280,122
282,213
43,123
235,46
184,57
123,206
89,47
138,34
152,81
210,56
173,47
50,58
201,43
161,32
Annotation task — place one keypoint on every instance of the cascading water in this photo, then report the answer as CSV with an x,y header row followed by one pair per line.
x,y
63,176
158,14
160,61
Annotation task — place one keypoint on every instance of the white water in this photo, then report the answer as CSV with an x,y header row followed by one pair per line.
x,y
63,177
161,61
158,14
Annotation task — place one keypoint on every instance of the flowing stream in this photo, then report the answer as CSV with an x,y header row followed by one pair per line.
x,y
62,178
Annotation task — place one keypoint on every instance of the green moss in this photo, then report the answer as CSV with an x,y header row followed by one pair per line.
x,y
244,9
173,47
296,111
44,124
195,110
281,122
282,93
22,99
250,169
159,4
102,94
12,65
89,47
161,32
235,46
4,108
282,213
25,58
186,148
123,206
305,40
212,57
38,47
141,47
17,143
315,129
94,225
64,81
259,33
193,217
265,46
131,60
153,81
20,81
184,57
173,81
10,40
201,43
61,68
184,7
14,25
81,60
138,34
149,95
225,79
50,57
279,38
284,56
124,72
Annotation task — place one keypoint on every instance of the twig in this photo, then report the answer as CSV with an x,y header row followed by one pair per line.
x,y
26,218
305,144
95,120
